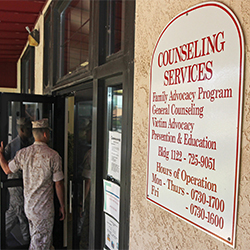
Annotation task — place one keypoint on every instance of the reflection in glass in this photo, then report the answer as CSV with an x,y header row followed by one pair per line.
x,y
116,104
76,35
15,218
84,171
69,169
114,26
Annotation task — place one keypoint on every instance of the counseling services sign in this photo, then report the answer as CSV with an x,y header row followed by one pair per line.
x,y
195,112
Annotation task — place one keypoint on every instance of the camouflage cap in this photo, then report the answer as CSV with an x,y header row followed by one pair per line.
x,y
44,123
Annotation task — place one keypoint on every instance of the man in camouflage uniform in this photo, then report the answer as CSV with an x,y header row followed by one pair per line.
x,y
41,167
15,212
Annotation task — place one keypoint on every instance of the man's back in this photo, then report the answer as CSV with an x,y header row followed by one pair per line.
x,y
39,164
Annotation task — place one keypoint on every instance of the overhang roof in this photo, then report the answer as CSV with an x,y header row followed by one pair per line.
x,y
15,15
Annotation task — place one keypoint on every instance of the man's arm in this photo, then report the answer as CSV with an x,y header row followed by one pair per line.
x,y
7,152
3,162
59,185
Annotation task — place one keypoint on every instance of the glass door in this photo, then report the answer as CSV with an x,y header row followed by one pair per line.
x,y
78,141
17,113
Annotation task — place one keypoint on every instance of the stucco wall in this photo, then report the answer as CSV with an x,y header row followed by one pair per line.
x,y
150,226
38,74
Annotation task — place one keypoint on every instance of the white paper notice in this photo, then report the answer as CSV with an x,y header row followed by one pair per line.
x,y
111,199
111,233
114,159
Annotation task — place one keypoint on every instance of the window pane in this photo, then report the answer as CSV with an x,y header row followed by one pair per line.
x,y
115,26
117,110
27,64
76,35
115,95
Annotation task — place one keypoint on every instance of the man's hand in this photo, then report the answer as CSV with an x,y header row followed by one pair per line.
x,y
59,185
3,162
62,213
1,148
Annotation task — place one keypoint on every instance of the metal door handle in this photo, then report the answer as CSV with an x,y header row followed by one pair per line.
x,y
83,194
70,196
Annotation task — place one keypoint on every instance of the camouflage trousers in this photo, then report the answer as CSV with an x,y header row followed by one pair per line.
x,y
41,233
